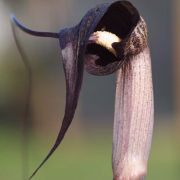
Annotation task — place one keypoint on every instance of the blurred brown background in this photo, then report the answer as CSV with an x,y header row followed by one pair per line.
x,y
86,150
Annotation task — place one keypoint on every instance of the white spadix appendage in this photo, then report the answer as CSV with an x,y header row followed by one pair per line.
x,y
105,39
133,121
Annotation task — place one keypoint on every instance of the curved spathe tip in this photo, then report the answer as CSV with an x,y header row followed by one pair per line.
x,y
32,32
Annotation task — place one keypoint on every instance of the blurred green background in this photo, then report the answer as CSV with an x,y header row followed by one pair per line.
x,y
85,153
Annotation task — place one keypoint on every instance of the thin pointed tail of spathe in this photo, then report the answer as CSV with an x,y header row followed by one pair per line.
x,y
73,75
56,144
32,32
